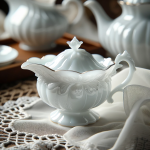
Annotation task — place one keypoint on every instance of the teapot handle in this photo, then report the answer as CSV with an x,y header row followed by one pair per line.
x,y
80,9
127,58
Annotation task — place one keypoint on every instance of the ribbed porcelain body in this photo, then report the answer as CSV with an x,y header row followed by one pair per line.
x,y
75,97
72,93
75,81
131,32
34,25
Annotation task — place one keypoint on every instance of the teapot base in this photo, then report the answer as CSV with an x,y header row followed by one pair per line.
x,y
71,119
45,47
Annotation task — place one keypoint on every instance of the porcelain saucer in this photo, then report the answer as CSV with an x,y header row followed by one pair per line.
x,y
7,55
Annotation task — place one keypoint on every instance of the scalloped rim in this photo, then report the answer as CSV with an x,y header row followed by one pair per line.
x,y
68,70
62,70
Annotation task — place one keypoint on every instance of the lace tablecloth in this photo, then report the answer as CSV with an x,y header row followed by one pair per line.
x,y
9,137
18,89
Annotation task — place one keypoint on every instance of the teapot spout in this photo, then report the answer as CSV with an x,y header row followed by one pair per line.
x,y
102,19
40,70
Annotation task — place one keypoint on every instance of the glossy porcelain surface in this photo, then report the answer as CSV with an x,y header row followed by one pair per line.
x,y
130,31
75,92
35,25
73,10
7,55
80,24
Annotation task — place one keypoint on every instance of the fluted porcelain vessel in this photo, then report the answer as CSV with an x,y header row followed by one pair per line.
x,y
76,81
130,31
35,24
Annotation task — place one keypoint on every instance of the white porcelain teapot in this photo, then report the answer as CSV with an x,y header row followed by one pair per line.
x,y
130,31
37,25
76,81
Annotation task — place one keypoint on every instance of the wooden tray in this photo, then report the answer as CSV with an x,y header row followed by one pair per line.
x,y
14,72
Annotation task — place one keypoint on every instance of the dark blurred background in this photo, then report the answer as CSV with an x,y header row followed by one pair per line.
x,y
4,6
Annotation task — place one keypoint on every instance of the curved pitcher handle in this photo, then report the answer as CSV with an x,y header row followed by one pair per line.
x,y
80,9
127,58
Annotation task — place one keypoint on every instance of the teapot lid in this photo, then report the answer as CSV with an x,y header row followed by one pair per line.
x,y
75,59
133,2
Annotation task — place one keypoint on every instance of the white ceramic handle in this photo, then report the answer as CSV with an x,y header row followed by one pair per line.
x,y
122,57
80,9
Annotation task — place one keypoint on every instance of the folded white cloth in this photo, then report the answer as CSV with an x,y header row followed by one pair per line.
x,y
135,133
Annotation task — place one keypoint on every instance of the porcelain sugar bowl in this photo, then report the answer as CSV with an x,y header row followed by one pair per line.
x,y
75,81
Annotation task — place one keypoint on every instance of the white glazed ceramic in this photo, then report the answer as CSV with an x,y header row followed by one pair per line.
x,y
79,23
130,31
7,55
76,81
34,24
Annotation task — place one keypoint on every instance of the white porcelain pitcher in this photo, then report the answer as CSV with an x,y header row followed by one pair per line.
x,y
130,31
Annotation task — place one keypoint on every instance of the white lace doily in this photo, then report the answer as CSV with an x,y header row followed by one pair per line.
x,y
13,139
13,91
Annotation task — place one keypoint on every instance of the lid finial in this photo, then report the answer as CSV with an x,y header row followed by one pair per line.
x,y
74,44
